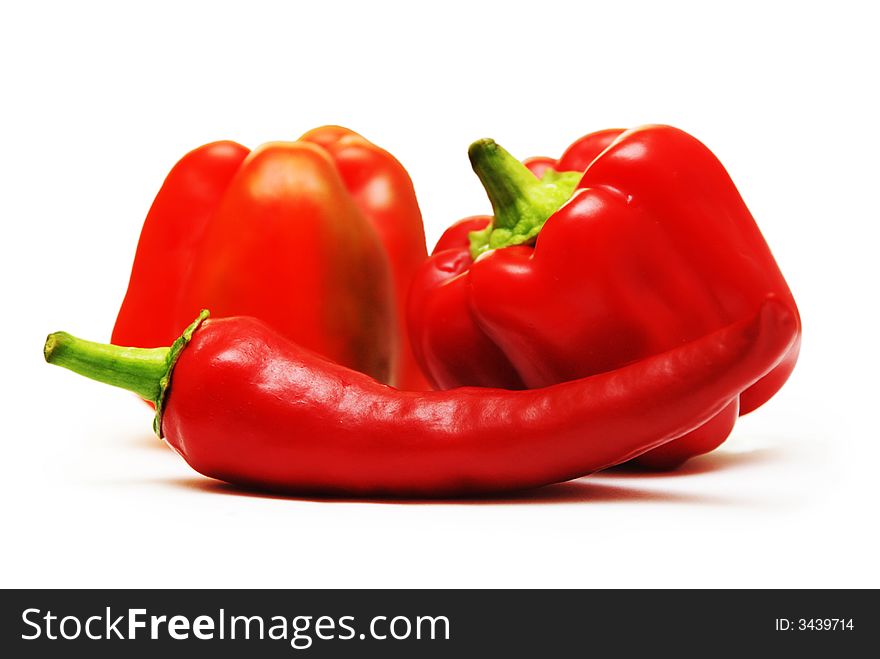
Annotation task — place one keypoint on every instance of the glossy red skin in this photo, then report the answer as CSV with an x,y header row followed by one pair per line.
x,y
654,249
276,234
448,306
170,239
384,192
248,407
288,245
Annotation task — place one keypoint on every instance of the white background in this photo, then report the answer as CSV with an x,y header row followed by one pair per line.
x,y
100,100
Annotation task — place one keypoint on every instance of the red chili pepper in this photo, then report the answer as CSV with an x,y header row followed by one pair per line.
x,y
291,233
242,404
631,244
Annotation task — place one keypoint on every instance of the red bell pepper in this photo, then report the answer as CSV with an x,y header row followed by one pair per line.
x,y
304,235
383,191
171,240
630,244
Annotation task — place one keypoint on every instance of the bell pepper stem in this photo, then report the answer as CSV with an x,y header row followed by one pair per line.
x,y
144,371
521,202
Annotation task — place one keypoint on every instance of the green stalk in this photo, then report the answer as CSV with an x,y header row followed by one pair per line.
x,y
144,371
521,202
139,370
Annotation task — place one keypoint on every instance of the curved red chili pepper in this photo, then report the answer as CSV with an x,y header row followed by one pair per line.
x,y
248,407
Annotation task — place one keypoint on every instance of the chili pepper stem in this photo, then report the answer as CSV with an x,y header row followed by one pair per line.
x,y
139,370
521,202
144,371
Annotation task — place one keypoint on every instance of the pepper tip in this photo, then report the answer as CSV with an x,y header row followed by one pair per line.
x,y
481,146
49,347
52,345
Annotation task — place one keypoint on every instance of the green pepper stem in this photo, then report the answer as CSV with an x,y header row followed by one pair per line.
x,y
139,370
144,371
509,183
521,202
